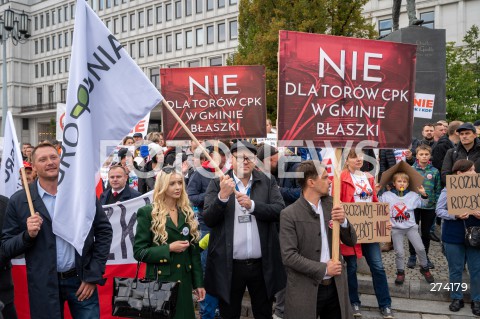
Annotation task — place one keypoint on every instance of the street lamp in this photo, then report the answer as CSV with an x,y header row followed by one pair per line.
x,y
16,26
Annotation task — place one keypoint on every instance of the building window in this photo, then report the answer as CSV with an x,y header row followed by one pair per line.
x,y
159,14
41,21
36,71
168,12
199,36
155,76
47,19
192,64
108,3
216,61
72,11
209,5
141,19
108,24
168,40
233,30
116,2
53,42
42,46
141,49
66,39
159,45
210,35
221,3
132,50
178,9
53,17
65,13
60,41
385,27
59,15
132,21
50,94
39,95
178,41
150,47
174,65
100,4
188,39
48,44
36,23
54,63
67,65
150,17
59,66
232,2
124,24
36,46
198,6
48,68
116,26
428,19
63,92
221,32
188,7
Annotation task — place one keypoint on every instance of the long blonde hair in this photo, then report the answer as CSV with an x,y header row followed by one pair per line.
x,y
160,211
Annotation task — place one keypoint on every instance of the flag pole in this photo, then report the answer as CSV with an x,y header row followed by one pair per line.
x,y
27,191
336,202
180,121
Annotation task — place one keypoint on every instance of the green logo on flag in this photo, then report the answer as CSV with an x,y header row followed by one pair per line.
x,y
83,98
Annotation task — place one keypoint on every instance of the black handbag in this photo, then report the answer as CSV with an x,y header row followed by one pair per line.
x,y
144,298
472,236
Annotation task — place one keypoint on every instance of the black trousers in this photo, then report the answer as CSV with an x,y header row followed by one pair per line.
x,y
426,218
328,306
247,274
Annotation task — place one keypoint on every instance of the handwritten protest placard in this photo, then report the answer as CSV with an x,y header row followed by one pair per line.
x,y
369,220
463,194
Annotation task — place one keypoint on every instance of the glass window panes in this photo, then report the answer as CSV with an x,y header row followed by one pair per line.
x,y
210,34
232,2
132,50
150,17
155,77
67,64
188,7
158,10
36,23
385,26
59,15
108,3
48,68
178,9
221,3
233,30
141,19
54,37
41,21
60,65
59,40
54,63
209,5
199,36
168,40
178,41
48,44
116,25
36,46
217,61
53,17
47,19
159,45
141,49
100,4
150,47
36,71
124,24
189,39
42,45
193,64
72,11
132,21
65,13
198,6
428,19
221,32
168,11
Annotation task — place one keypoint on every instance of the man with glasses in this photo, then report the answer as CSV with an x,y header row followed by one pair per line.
x,y
242,209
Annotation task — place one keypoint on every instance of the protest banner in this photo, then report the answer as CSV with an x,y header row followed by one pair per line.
x,y
343,89
463,194
123,217
423,105
12,160
369,221
215,102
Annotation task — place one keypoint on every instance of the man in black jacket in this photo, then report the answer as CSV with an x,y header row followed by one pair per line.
x,y
427,139
444,144
56,273
242,209
118,191
6,282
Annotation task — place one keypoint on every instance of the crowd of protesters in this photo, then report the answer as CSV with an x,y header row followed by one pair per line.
x,y
242,222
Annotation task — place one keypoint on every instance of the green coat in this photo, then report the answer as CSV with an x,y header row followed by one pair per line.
x,y
183,267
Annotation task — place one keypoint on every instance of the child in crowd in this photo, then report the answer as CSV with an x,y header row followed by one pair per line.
x,y
402,204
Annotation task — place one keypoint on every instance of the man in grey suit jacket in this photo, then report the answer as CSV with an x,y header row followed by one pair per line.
x,y
316,285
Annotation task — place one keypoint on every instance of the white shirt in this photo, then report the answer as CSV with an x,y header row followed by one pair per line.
x,y
325,252
363,189
246,239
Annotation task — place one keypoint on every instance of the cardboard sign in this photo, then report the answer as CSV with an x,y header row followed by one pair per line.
x,y
341,89
215,102
423,105
415,179
463,194
369,221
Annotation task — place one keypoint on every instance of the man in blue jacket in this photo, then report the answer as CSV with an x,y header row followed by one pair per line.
x,y
56,273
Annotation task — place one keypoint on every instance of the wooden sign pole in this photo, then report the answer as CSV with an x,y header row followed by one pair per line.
x,y
336,202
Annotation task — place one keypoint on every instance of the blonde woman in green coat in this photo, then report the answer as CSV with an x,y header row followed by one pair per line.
x,y
167,236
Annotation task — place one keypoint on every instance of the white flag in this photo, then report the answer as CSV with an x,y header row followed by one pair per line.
x,y
12,159
107,95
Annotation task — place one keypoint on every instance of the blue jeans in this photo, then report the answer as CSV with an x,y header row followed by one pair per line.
x,y
210,303
352,278
87,309
456,255
373,256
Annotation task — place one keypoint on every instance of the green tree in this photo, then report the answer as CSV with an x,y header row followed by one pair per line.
x,y
261,20
463,78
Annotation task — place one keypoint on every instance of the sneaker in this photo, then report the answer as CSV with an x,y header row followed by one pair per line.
x,y
356,310
428,276
430,265
387,312
400,277
412,261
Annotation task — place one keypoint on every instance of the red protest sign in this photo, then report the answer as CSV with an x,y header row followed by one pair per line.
x,y
341,89
215,102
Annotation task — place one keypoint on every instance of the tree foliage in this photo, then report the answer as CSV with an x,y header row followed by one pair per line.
x,y
463,78
261,20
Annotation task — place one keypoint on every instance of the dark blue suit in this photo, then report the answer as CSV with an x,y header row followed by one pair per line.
x,y
41,256
126,194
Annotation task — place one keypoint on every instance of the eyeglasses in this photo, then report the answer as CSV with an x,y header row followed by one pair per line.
x,y
168,169
243,158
